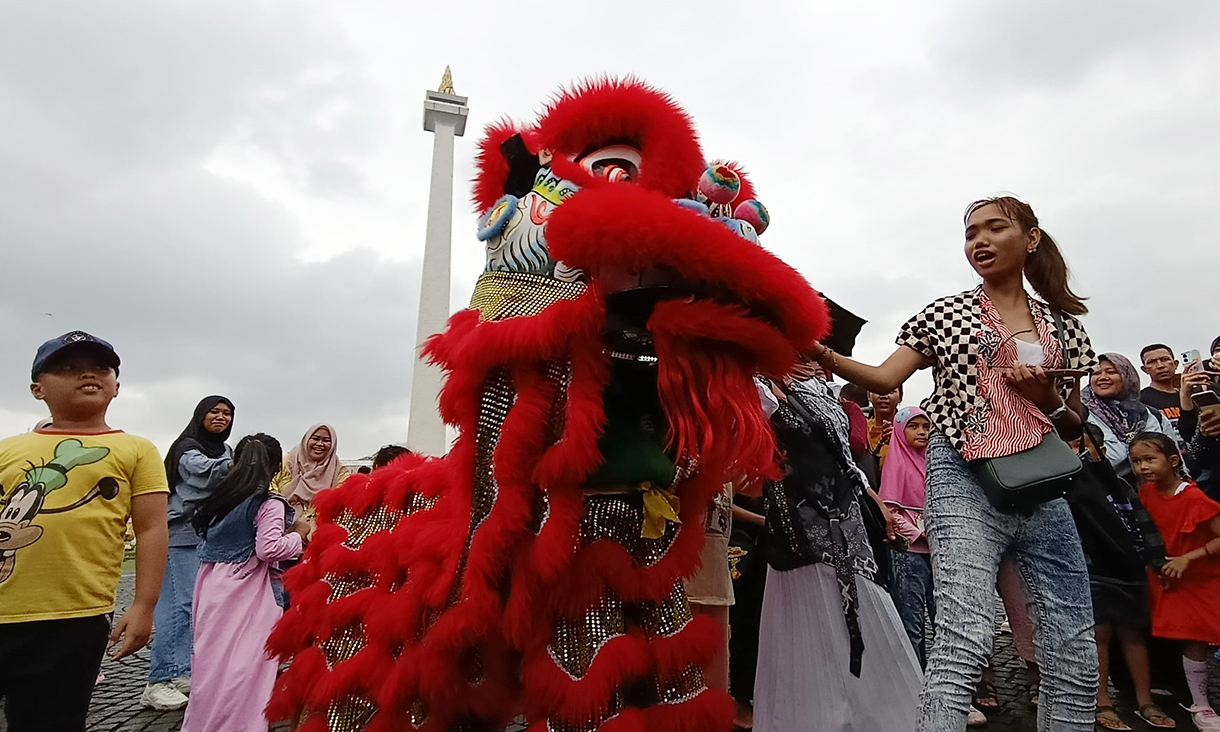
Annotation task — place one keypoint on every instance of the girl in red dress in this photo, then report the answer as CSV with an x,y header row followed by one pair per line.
x,y
1184,601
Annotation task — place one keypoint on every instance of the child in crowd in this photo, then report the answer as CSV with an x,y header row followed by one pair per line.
x,y
903,480
67,490
1118,584
246,529
1184,600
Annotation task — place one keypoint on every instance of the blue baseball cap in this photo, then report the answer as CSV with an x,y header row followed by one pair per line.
x,y
76,340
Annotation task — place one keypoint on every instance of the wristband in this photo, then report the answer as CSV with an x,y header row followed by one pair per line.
x,y
1062,410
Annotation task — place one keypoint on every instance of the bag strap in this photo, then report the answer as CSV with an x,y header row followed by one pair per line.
x,y
1063,348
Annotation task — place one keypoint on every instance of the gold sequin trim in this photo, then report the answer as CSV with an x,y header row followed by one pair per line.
x,y
502,295
350,714
498,398
344,644
686,685
576,643
418,712
417,502
667,617
559,374
589,725
470,662
620,518
360,528
348,584
540,511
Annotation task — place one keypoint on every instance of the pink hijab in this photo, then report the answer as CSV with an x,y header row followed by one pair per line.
x,y
904,477
309,477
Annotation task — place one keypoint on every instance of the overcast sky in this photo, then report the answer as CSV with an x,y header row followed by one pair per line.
x,y
234,193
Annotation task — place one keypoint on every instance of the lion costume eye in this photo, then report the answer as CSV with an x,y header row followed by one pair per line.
x,y
616,162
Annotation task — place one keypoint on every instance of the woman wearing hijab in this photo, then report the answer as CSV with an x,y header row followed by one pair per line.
x,y
195,464
903,490
1112,399
310,467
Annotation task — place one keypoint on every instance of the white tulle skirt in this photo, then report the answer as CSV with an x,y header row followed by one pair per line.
x,y
804,683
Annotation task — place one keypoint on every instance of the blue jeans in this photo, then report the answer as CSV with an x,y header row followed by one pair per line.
x,y
911,588
172,642
967,537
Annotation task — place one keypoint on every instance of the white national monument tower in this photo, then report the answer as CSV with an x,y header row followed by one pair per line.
x,y
445,117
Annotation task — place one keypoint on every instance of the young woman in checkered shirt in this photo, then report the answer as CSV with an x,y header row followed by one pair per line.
x,y
990,349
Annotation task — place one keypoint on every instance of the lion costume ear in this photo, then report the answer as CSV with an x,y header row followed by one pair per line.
x,y
505,165
522,166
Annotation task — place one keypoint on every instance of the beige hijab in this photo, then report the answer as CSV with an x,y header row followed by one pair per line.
x,y
308,476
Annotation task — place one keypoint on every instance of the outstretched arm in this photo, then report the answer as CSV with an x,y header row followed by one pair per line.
x,y
878,379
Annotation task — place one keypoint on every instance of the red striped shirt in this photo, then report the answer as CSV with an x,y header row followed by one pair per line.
x,y
1012,422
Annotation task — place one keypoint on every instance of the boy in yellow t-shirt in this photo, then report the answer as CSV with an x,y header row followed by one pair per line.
x,y
66,492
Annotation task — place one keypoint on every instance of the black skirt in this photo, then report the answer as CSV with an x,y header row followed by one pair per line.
x,y
1116,602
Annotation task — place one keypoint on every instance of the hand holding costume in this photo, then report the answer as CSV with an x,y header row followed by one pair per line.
x,y
602,386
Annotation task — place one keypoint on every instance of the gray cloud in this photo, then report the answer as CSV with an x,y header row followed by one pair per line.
x,y
235,194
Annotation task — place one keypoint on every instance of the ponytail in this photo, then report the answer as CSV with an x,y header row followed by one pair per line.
x,y
1045,268
1048,274
255,462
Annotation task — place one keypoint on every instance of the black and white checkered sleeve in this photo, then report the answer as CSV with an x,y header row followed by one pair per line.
x,y
1080,353
918,333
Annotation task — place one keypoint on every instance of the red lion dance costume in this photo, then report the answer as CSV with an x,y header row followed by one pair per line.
x,y
602,385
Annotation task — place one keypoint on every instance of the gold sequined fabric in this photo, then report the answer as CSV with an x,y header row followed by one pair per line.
x,y
350,714
499,395
576,642
667,617
684,686
589,725
361,528
344,644
342,585
620,518
559,374
354,712
502,295
418,712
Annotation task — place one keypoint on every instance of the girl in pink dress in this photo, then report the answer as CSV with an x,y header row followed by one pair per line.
x,y
238,599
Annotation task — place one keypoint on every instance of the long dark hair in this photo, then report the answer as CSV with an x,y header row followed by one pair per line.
x,y
255,462
1045,267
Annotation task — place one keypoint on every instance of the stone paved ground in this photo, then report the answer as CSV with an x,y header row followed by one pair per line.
x,y
116,701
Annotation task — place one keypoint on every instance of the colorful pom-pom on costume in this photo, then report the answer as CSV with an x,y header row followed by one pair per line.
x,y
753,213
602,386
720,183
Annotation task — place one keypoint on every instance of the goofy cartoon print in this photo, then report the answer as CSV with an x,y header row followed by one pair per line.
x,y
28,500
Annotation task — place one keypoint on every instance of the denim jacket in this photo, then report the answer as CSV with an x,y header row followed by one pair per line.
x,y
231,540
198,476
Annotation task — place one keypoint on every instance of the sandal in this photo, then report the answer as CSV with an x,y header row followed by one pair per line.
x,y
984,696
1156,717
1108,718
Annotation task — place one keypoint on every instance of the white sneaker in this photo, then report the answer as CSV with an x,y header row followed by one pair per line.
x,y
182,684
163,696
1204,717
975,718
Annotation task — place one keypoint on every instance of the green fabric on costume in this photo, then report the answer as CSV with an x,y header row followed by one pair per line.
x,y
633,444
